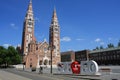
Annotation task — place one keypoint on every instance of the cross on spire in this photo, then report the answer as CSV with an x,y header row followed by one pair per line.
x,y
54,14
30,1
29,10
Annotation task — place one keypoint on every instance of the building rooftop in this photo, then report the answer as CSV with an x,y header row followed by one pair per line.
x,y
103,50
67,52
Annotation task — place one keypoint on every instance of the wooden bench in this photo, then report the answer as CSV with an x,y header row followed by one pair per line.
x,y
105,70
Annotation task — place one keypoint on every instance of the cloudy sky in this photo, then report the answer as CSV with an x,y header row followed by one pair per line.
x,y
84,24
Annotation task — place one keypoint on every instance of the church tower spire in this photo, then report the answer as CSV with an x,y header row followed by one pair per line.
x,y
54,38
30,1
54,17
29,11
28,29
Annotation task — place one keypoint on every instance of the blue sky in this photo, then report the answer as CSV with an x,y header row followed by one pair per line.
x,y
84,24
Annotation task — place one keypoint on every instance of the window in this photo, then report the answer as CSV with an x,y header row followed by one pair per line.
x,y
30,59
45,49
40,63
56,29
30,65
36,48
118,51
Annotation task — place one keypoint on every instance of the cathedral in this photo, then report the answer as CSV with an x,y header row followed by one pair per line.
x,y
36,53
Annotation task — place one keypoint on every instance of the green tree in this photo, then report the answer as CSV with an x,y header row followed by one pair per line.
x,y
14,55
3,53
110,45
97,48
9,56
119,43
7,61
101,47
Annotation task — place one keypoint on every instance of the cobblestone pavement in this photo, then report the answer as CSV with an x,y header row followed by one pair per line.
x,y
13,74
10,76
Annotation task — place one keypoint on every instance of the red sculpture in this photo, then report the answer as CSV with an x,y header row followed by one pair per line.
x,y
75,66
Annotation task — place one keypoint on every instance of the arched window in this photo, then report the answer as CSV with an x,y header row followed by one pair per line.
x,y
40,63
30,65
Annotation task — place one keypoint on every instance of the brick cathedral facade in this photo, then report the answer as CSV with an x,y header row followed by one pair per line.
x,y
39,53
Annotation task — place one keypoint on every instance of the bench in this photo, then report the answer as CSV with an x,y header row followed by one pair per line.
x,y
105,70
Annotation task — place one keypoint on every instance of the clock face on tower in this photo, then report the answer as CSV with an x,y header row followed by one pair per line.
x,y
30,23
56,35
29,30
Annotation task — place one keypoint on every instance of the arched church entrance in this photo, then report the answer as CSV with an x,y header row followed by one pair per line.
x,y
30,65
46,62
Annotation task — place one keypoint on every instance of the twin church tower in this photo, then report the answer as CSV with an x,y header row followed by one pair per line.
x,y
39,53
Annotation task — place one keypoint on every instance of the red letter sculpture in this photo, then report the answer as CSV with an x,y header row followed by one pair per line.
x,y
75,66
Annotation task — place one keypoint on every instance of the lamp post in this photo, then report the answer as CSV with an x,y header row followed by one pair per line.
x,y
51,48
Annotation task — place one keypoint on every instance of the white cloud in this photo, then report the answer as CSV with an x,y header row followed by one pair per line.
x,y
18,45
79,39
113,39
37,19
41,36
98,40
66,39
109,39
6,45
70,50
102,43
13,26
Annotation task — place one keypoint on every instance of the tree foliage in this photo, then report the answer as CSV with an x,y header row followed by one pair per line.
x,y
110,45
101,47
9,56
97,48
119,43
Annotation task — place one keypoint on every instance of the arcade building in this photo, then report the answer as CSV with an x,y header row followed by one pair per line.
x,y
108,56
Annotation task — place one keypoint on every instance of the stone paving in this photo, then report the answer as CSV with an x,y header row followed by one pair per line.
x,y
16,75
10,76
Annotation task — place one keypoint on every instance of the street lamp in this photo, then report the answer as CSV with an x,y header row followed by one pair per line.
x,y
51,48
